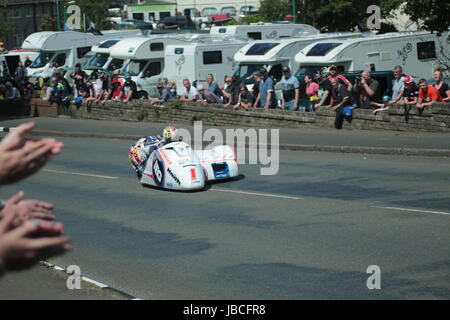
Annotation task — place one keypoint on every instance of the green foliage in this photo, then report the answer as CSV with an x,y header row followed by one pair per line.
x,y
97,11
176,104
254,19
48,23
6,26
274,10
142,115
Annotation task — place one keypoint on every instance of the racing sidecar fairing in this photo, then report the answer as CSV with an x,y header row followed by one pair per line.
x,y
176,166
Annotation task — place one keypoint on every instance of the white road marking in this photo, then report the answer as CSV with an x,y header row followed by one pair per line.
x,y
414,210
80,174
257,194
92,281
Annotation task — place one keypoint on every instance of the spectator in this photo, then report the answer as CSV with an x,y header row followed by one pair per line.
x,y
107,88
11,92
246,99
23,243
28,62
441,86
266,91
290,90
428,95
340,100
163,94
95,95
117,91
27,88
324,90
20,73
333,73
82,91
410,95
398,85
207,97
312,91
233,91
255,88
367,90
2,48
78,72
172,86
225,90
129,89
212,85
191,93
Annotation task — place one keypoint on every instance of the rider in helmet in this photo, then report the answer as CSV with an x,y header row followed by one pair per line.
x,y
143,148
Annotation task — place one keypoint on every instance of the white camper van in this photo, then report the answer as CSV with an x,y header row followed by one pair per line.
x,y
264,31
274,55
419,53
102,57
65,48
9,61
144,59
194,61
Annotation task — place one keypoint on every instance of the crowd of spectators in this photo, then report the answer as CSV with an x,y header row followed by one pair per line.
x,y
28,232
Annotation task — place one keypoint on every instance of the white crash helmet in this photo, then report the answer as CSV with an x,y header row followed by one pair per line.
x,y
170,133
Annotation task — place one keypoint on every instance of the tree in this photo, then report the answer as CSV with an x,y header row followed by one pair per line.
x,y
48,23
274,10
6,26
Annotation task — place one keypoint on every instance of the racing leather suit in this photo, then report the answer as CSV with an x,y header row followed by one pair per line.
x,y
141,151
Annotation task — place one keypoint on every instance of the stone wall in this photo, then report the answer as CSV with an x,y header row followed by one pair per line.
x,y
435,119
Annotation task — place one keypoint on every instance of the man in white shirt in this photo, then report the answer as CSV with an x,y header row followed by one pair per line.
x,y
191,93
398,86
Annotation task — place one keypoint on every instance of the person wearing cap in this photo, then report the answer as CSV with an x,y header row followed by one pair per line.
x,y
324,89
290,88
428,95
106,88
410,95
366,90
266,94
190,93
78,72
207,96
333,73
163,94
129,89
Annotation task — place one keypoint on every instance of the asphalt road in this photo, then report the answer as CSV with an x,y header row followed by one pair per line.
x,y
309,232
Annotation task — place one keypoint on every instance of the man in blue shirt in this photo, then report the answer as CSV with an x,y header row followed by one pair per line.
x,y
266,91
291,90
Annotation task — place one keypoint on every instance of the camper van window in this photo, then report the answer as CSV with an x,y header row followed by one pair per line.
x,y
179,50
138,16
60,59
302,71
321,49
426,50
255,35
98,60
81,52
212,57
108,44
260,49
115,64
134,67
164,14
158,46
245,71
42,59
223,30
153,69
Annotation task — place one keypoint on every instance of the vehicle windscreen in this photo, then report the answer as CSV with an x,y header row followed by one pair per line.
x,y
260,49
245,71
115,64
134,67
98,61
321,49
304,70
42,59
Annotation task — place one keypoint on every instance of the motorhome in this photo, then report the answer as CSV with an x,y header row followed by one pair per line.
x,y
274,55
9,61
102,57
418,52
65,48
194,61
264,31
143,59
